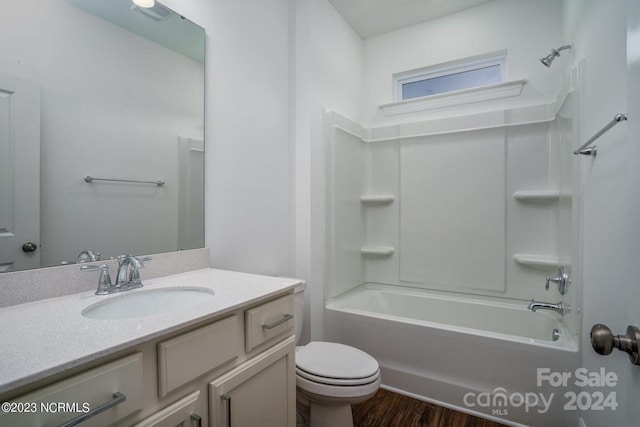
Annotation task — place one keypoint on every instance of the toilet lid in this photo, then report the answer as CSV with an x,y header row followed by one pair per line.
x,y
332,360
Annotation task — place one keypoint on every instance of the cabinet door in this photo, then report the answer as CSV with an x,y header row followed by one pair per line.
x,y
182,413
260,392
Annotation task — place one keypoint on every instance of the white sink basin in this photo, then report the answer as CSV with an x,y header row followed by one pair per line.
x,y
147,303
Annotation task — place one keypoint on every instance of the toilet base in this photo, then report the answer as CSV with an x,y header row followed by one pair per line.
x,y
330,415
326,411
312,414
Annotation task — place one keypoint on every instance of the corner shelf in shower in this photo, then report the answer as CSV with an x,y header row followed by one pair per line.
x,y
377,251
538,260
539,195
377,199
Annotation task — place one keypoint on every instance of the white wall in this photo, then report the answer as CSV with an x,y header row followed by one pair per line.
x,y
248,177
271,68
611,200
101,117
328,75
526,29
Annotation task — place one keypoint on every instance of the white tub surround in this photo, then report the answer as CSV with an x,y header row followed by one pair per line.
x,y
49,336
479,204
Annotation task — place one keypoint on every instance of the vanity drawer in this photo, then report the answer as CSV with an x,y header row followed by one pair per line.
x,y
268,321
188,356
117,384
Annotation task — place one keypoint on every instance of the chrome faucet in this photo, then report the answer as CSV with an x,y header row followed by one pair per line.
x,y
560,307
88,256
128,276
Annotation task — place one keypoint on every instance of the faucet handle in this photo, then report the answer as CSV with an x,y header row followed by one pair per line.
x,y
562,280
104,281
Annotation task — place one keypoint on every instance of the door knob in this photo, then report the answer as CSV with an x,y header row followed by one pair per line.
x,y
603,341
29,247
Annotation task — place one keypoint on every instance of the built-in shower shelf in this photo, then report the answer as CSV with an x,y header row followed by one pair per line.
x,y
377,251
537,260
538,195
377,199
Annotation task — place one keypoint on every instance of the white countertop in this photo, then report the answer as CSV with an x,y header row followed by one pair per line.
x,y
45,337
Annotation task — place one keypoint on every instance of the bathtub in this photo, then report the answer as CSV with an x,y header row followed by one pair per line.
x,y
475,354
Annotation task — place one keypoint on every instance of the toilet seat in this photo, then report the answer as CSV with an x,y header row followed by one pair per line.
x,y
337,381
333,363
327,392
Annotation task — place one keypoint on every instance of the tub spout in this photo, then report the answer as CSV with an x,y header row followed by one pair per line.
x,y
560,307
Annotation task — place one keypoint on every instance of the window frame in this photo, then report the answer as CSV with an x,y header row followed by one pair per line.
x,y
449,68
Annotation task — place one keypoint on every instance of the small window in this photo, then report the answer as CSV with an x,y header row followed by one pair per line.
x,y
450,77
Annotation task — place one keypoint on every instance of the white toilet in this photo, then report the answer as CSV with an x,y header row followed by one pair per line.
x,y
330,377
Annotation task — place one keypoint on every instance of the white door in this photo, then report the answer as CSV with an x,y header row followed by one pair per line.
x,y
19,174
612,210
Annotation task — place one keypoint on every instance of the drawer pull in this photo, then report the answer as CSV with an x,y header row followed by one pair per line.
x,y
286,318
118,398
226,397
198,419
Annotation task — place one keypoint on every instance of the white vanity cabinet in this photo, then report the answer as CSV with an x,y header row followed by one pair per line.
x,y
186,377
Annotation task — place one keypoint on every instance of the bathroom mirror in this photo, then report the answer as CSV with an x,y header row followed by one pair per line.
x,y
108,90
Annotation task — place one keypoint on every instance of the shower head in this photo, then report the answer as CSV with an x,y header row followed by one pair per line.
x,y
547,60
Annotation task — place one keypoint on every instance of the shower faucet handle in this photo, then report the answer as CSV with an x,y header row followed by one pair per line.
x,y
562,280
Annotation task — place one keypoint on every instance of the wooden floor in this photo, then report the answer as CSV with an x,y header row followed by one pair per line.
x,y
387,409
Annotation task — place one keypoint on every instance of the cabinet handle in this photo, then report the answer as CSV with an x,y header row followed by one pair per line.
x,y
227,398
118,398
286,318
197,418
